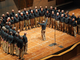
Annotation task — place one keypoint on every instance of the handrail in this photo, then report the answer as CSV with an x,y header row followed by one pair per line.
x,y
62,52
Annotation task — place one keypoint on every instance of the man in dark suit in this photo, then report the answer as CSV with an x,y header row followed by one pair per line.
x,y
66,22
62,12
16,20
32,20
78,25
36,17
57,18
19,13
25,42
47,14
4,19
21,47
24,12
62,20
46,9
27,21
10,40
53,19
69,25
7,15
16,38
29,11
73,16
43,29
55,10
12,14
12,21
35,9
41,13
74,25
21,19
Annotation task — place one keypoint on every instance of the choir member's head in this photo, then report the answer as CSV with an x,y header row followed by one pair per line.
x,y
14,28
16,15
21,14
11,26
27,12
58,10
41,9
52,12
35,7
3,15
73,19
36,10
18,31
6,23
21,37
72,13
55,8
62,11
43,21
12,10
57,14
46,7
69,17
9,19
62,15
9,23
66,15
51,7
47,11
24,9
31,11
11,33
7,31
7,13
40,6
19,11
29,8
16,34
12,18
25,33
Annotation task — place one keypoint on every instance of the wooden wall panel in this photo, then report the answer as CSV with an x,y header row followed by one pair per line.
x,y
78,49
59,2
23,3
70,54
2,0
29,3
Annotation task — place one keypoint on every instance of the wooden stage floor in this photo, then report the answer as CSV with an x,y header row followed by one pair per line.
x,y
37,48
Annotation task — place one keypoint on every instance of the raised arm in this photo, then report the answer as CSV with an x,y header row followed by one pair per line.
x,y
46,21
41,23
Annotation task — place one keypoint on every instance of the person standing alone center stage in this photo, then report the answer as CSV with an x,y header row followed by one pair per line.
x,y
43,24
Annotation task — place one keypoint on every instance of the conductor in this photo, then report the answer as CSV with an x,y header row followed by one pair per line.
x,y
43,25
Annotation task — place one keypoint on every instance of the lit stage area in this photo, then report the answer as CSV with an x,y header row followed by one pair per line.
x,y
38,49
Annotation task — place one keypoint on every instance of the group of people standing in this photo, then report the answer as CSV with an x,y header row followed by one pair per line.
x,y
11,23
12,41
